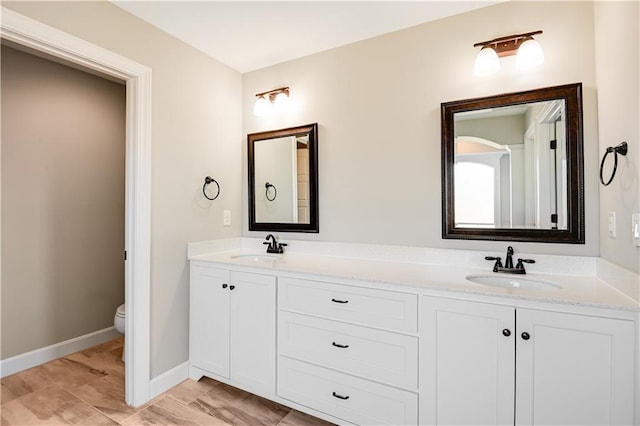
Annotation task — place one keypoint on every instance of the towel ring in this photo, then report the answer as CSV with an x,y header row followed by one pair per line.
x,y
266,192
620,149
207,181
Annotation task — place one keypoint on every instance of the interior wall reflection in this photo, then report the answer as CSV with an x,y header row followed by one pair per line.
x,y
283,181
523,176
513,167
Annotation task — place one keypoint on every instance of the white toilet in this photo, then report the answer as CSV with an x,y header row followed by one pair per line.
x,y
118,322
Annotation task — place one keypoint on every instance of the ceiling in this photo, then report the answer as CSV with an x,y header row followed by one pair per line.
x,y
249,35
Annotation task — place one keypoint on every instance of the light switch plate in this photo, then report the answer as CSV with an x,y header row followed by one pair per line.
x,y
226,218
612,224
635,229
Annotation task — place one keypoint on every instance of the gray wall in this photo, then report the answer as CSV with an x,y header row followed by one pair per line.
x,y
377,103
63,140
507,130
196,131
617,68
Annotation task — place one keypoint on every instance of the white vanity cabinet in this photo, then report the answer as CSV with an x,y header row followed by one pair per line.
x,y
348,351
233,327
484,363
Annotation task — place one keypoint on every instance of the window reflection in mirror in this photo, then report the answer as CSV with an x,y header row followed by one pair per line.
x,y
283,181
511,167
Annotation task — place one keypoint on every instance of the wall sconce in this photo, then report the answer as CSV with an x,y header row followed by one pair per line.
x,y
270,102
527,50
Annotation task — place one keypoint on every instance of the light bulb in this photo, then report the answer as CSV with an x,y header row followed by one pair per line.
x,y
487,62
281,102
529,55
262,107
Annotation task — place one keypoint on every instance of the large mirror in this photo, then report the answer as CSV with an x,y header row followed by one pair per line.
x,y
512,167
283,179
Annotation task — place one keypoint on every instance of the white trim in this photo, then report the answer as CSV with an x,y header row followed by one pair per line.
x,y
36,357
169,379
36,35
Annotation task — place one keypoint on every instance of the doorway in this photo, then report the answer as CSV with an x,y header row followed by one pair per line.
x,y
39,37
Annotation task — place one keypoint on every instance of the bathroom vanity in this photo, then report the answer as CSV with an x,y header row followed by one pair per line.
x,y
367,341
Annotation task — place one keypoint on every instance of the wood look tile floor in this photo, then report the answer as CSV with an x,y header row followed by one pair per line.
x,y
87,388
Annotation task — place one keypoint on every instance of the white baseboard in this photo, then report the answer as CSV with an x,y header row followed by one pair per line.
x,y
168,379
36,357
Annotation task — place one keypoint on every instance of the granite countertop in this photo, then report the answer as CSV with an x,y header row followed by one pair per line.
x,y
578,290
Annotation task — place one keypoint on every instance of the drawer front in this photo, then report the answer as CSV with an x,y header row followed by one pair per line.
x,y
352,399
379,355
377,308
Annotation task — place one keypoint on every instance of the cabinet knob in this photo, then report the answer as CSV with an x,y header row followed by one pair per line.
x,y
525,336
506,332
340,396
231,287
225,285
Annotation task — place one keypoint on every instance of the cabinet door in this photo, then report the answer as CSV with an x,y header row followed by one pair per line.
x,y
467,363
253,332
209,317
574,369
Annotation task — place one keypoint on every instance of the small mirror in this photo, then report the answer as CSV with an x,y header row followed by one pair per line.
x,y
283,179
513,167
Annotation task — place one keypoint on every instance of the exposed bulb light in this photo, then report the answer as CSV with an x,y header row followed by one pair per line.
x,y
527,50
261,107
529,55
268,103
487,62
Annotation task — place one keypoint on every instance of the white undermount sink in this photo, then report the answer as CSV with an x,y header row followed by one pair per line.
x,y
512,281
257,257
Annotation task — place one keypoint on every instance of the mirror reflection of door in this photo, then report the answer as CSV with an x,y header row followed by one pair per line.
x,y
282,180
512,159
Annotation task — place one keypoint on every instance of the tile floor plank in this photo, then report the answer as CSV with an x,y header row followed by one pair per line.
x,y
238,407
189,390
51,405
107,397
69,373
168,411
22,383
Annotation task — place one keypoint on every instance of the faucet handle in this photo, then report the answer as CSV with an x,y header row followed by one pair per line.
x,y
520,265
498,263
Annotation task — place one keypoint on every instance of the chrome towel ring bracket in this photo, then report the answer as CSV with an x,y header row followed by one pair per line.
x,y
207,181
620,149
275,191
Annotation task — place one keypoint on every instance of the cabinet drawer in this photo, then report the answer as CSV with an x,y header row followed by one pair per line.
x,y
375,354
355,400
378,308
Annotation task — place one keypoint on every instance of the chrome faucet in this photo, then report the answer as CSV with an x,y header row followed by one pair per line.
x,y
508,263
273,246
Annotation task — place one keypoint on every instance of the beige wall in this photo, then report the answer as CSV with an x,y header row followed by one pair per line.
x,y
507,130
618,71
196,131
63,140
377,103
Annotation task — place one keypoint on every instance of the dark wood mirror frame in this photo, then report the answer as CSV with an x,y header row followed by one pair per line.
x,y
312,226
574,234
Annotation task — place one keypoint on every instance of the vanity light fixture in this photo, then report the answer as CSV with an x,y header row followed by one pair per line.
x,y
271,101
527,50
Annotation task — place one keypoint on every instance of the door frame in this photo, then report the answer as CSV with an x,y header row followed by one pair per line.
x,y
35,35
